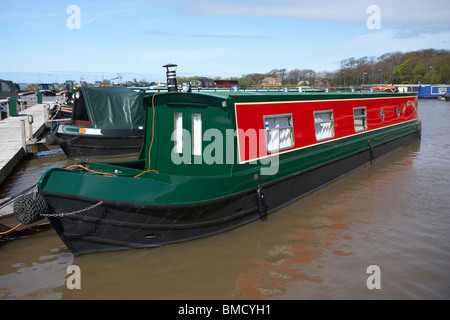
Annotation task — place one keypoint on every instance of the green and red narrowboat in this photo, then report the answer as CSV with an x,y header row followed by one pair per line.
x,y
213,161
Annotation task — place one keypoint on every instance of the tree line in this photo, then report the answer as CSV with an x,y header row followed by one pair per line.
x,y
428,66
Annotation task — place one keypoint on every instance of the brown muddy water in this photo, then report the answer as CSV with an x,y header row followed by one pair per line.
x,y
394,214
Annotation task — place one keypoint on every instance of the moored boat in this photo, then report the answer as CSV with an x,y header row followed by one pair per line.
x,y
106,122
428,91
59,112
213,161
385,88
445,97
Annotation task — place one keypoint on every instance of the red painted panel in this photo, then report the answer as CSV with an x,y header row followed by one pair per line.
x,y
250,120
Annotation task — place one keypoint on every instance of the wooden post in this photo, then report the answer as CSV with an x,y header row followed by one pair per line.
x,y
46,114
24,135
30,126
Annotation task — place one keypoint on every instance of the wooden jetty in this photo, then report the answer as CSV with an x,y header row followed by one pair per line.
x,y
18,137
14,133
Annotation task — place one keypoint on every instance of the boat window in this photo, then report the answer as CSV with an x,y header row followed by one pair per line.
x,y
178,125
196,134
398,112
360,119
279,132
5,87
382,114
324,124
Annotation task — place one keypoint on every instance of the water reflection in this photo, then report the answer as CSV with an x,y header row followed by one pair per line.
x,y
326,226
31,271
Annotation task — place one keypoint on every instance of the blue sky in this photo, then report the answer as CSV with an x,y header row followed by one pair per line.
x,y
212,38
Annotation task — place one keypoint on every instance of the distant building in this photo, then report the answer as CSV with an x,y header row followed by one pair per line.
x,y
226,83
203,82
303,83
271,82
321,83
318,83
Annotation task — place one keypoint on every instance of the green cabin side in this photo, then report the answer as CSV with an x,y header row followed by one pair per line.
x,y
168,113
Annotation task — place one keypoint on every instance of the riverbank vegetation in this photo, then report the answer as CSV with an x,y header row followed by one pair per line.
x,y
428,66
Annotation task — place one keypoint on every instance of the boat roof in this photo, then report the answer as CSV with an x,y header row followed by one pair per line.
x,y
274,95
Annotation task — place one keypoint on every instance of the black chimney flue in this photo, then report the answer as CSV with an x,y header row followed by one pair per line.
x,y
171,77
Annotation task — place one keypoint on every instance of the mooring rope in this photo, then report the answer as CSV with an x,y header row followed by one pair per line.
x,y
33,190
5,203
5,232
87,169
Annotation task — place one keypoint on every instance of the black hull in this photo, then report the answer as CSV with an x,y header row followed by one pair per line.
x,y
56,114
62,115
48,93
92,147
113,226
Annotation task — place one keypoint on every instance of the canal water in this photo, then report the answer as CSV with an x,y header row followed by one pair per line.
x,y
393,214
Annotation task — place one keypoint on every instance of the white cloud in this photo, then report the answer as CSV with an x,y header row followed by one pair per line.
x,y
410,14
378,43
